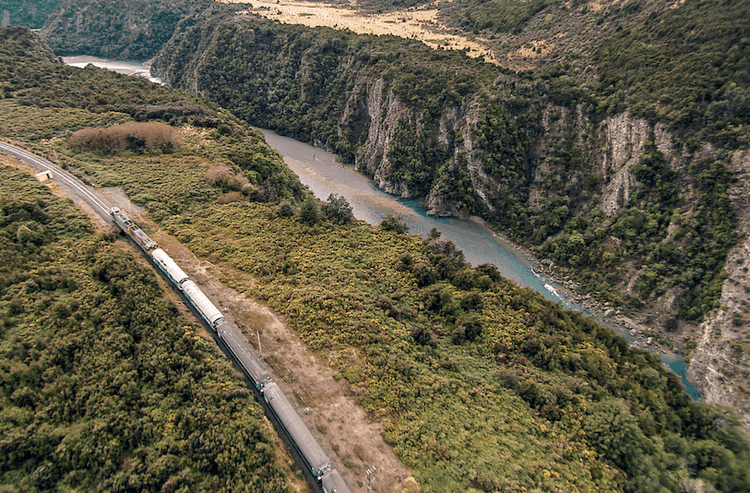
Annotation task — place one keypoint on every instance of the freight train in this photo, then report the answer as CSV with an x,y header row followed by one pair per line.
x,y
315,459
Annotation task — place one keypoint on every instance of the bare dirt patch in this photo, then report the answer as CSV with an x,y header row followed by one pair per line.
x,y
534,49
117,198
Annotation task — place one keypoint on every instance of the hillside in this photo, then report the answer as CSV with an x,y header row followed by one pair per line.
x,y
555,156
25,13
128,30
546,399
637,209
619,178
106,383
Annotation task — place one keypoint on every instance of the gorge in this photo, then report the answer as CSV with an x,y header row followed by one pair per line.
x,y
614,155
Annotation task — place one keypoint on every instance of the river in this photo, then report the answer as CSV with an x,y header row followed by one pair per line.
x,y
324,175
140,69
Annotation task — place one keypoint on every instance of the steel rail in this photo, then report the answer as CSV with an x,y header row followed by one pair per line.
x,y
59,174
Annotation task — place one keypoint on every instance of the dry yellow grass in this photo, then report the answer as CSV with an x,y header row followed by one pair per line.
x,y
149,135
418,24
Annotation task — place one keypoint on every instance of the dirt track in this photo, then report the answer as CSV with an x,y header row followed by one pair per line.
x,y
325,404
352,440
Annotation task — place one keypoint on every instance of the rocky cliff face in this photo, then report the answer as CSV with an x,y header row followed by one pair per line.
x,y
384,113
720,366
624,138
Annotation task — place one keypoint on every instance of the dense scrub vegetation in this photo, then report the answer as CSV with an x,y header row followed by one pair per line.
x,y
105,386
28,13
24,80
688,66
480,384
439,343
498,16
319,85
130,30
312,81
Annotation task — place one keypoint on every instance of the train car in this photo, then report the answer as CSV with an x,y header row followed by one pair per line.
x,y
332,482
169,267
315,459
200,302
243,355
131,229
122,221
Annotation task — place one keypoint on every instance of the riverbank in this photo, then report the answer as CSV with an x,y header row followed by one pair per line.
x,y
564,284
140,69
323,174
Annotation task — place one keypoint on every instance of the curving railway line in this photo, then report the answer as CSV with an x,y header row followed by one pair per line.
x,y
62,177
317,463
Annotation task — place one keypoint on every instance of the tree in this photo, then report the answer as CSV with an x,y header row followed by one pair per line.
x,y
614,433
337,209
286,209
393,223
309,213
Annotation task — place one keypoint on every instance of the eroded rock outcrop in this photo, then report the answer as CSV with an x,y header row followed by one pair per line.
x,y
720,366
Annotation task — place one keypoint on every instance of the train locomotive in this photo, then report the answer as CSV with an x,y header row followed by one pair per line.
x,y
315,459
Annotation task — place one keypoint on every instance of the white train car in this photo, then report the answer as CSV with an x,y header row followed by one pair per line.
x,y
332,482
169,267
243,355
200,302
317,460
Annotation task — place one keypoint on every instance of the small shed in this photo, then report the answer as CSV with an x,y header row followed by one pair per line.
x,y
44,176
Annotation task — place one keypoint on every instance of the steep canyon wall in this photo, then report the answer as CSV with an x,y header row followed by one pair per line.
x,y
625,204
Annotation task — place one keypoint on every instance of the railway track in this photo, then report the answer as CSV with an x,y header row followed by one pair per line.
x,y
276,404
63,178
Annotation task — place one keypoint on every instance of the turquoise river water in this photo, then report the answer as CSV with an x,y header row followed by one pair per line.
x,y
324,175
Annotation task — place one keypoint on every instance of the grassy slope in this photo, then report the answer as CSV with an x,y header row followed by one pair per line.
x,y
479,383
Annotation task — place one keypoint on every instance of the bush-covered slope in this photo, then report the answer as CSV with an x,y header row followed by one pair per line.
x,y
526,152
124,30
104,385
28,13
689,67
479,384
